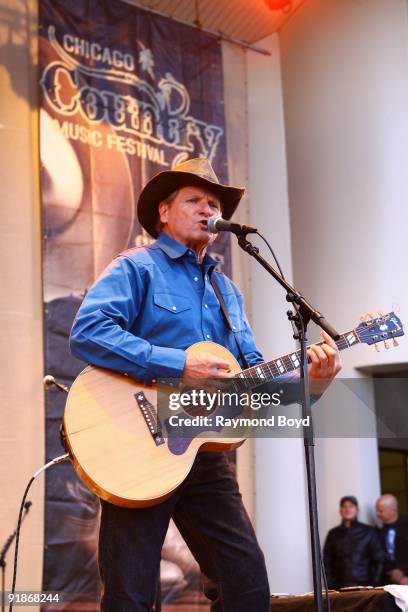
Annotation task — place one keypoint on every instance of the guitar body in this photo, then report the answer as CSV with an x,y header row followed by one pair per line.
x,y
116,445
111,446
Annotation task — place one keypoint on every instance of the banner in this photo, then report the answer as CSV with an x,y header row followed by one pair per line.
x,y
124,94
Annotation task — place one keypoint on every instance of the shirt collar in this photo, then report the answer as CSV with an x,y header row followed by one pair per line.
x,y
171,247
175,250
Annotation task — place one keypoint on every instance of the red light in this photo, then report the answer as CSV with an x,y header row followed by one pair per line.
x,y
278,5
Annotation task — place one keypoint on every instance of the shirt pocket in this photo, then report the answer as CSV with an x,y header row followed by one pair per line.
x,y
174,304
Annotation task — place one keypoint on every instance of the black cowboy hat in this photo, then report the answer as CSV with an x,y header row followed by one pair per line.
x,y
190,173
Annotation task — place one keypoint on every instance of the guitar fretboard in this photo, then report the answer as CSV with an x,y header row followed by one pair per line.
x,y
269,370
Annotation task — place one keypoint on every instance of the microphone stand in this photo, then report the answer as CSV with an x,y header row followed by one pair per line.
x,y
304,313
3,554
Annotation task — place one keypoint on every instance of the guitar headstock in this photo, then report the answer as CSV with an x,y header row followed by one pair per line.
x,y
380,328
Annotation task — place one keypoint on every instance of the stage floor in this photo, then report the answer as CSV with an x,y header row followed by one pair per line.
x,y
357,601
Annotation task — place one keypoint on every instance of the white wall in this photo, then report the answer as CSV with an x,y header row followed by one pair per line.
x,y
344,75
345,84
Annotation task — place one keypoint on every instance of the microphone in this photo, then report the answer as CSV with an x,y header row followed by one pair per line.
x,y
217,224
49,380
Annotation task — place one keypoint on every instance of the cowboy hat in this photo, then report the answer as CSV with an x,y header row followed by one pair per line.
x,y
190,173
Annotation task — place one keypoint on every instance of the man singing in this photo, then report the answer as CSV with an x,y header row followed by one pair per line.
x,y
139,318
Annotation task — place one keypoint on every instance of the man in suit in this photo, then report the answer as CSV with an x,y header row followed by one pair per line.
x,y
394,538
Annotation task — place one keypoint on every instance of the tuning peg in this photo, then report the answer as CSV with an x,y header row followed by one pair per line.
x,y
395,342
372,315
387,346
381,313
377,348
363,317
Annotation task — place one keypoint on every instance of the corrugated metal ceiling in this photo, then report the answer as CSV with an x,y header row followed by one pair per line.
x,y
246,20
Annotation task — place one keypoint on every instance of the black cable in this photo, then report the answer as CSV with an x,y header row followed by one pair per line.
x,y
295,306
42,469
326,587
13,588
273,254
48,380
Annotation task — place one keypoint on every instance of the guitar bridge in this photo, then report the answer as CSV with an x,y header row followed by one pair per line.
x,y
149,415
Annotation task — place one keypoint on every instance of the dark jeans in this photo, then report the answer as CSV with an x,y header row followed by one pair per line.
x,y
209,513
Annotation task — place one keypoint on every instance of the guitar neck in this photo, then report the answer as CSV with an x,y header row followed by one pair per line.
x,y
269,370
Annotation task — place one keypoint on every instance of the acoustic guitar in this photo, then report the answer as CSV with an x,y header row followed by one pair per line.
x,y
117,444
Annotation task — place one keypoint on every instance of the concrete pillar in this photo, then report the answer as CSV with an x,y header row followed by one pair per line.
x,y
344,136
281,509
21,396
344,67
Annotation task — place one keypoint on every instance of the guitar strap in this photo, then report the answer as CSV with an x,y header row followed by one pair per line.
x,y
227,318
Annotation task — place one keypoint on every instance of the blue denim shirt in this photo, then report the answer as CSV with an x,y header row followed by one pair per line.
x,y
151,304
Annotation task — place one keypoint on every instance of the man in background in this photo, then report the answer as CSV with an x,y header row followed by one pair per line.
x,y
394,539
353,555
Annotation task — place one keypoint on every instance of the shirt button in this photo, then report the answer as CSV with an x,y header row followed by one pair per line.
x,y
208,336
196,279
233,327
174,308
205,305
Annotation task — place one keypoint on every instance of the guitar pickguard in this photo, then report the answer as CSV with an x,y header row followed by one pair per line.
x,y
179,436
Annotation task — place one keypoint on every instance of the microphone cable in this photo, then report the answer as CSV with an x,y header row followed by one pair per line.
x,y
326,586
273,254
20,515
295,306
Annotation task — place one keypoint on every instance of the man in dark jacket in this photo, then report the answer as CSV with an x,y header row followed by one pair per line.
x,y
353,555
394,538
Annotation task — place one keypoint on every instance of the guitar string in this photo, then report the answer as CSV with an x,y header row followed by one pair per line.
x,y
341,343
292,366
